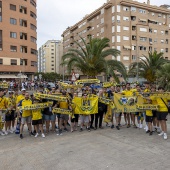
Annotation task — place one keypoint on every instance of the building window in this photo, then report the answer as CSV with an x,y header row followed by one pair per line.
x,y
23,49
125,38
126,58
166,50
13,62
159,15
162,32
118,38
133,57
166,58
133,18
133,37
113,39
33,15
133,47
113,28
162,50
52,61
52,53
33,51
13,48
126,18
142,48
142,11
162,41
118,8
118,18
143,29
33,39
102,30
23,36
1,61
23,23
133,9
102,20
155,31
126,28
118,28
33,27
33,3
0,11
113,19
126,8
113,9
143,39
12,7
150,30
13,21
153,13
166,32
13,34
133,28
23,9
34,63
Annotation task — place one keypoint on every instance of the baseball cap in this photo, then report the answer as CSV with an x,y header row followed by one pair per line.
x,y
23,89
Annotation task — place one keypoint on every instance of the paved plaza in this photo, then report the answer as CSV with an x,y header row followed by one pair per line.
x,y
104,149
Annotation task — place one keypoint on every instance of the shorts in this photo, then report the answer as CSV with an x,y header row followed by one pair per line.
x,y
49,117
10,116
162,115
64,117
75,119
26,119
37,122
116,114
58,115
149,118
84,119
154,113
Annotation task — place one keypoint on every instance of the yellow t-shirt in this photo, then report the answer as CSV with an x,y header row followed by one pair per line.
x,y
146,90
149,113
162,107
3,102
36,114
128,92
26,113
19,98
63,105
11,102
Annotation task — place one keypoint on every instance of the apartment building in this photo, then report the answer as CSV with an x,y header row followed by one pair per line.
x,y
18,36
49,57
134,28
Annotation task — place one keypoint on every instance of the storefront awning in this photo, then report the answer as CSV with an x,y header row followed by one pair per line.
x,y
127,47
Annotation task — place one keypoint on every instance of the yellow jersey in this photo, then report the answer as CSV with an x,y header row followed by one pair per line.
x,y
19,98
36,114
149,113
3,102
162,107
128,92
25,102
11,102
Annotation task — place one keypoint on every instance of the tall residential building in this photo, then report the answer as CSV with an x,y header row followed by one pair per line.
x,y
134,28
18,36
49,57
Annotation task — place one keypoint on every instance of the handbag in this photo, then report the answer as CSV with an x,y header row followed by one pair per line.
x,y
166,105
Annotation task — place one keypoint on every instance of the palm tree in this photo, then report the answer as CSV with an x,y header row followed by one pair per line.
x,y
148,66
90,58
163,76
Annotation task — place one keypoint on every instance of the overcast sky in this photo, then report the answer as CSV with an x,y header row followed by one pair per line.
x,y
54,16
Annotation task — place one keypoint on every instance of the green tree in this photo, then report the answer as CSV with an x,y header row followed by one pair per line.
x,y
49,76
148,67
90,58
163,76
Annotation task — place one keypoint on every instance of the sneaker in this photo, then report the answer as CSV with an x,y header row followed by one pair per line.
x,y
65,129
59,132
150,133
161,134
158,130
10,131
88,129
2,133
32,134
36,135
107,125
165,136
112,126
6,133
117,127
21,136
134,126
81,129
43,136
128,126
141,126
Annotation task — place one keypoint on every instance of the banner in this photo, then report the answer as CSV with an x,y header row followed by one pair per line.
x,y
84,81
147,107
35,106
70,86
86,106
62,111
108,116
50,97
125,103
107,102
